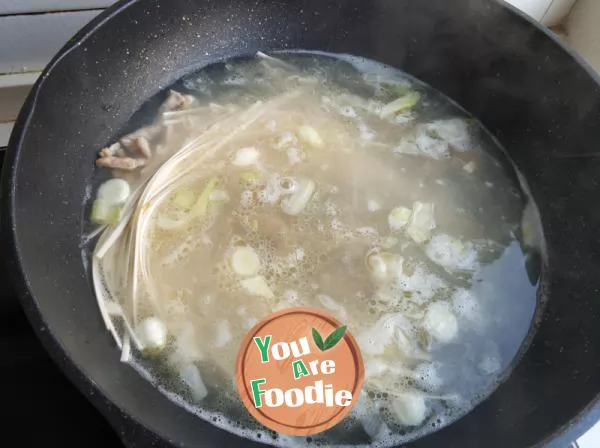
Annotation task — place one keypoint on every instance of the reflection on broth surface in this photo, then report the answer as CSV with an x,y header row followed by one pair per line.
x,y
312,180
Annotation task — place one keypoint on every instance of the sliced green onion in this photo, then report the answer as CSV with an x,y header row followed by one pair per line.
x,y
152,333
198,210
397,90
200,207
184,198
190,375
399,218
440,322
309,136
105,213
409,408
401,104
383,266
110,197
245,262
246,157
114,191
258,286
295,204
422,222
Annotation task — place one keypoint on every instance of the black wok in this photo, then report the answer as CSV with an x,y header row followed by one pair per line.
x,y
539,100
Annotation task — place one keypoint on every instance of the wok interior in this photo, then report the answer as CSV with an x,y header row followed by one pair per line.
x,y
521,85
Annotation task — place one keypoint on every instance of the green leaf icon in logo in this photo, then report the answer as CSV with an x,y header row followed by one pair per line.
x,y
331,341
317,338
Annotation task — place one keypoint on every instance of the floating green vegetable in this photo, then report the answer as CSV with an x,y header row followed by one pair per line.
x,y
105,213
397,90
110,197
401,104
198,209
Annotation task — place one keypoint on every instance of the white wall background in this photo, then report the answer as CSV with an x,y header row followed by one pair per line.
x,y
583,27
32,31
548,12
29,6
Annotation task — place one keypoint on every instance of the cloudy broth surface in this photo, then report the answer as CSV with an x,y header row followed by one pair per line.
x,y
324,181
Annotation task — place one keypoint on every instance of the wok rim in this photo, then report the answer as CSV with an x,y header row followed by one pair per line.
x,y
111,411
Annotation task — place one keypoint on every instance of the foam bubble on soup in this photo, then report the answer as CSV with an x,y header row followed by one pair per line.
x,y
314,180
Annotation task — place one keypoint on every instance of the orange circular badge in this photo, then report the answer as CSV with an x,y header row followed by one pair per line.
x,y
299,372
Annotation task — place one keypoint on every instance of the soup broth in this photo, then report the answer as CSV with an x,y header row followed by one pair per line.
x,y
325,181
